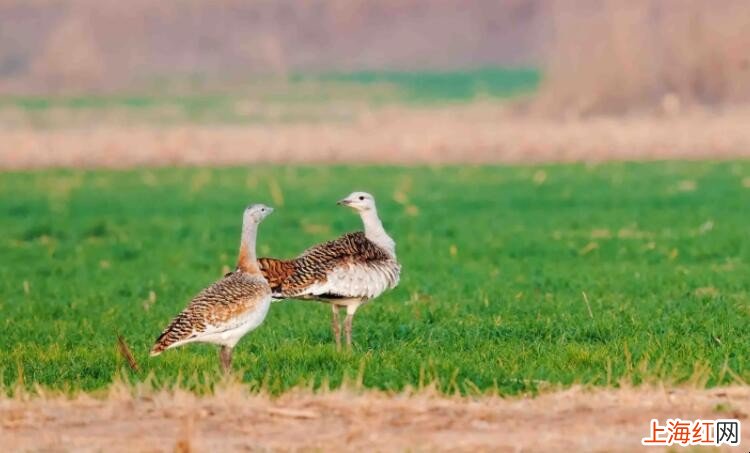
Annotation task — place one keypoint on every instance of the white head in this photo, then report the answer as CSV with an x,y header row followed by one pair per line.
x,y
364,204
359,201
255,213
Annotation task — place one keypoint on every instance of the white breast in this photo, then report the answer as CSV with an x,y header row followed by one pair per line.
x,y
233,330
365,281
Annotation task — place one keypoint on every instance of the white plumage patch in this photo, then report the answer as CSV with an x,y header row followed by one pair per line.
x,y
364,281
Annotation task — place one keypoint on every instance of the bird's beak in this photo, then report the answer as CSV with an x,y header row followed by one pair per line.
x,y
343,202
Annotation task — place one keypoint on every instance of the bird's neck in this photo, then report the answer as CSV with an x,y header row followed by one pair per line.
x,y
375,232
247,261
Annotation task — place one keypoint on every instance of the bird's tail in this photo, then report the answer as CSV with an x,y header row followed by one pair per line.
x,y
160,346
157,349
276,272
176,332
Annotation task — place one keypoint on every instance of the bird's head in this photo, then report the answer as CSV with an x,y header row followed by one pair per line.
x,y
359,201
255,213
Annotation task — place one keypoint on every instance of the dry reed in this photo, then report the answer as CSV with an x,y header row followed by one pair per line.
x,y
613,56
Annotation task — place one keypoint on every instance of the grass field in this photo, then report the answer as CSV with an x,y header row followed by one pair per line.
x,y
495,264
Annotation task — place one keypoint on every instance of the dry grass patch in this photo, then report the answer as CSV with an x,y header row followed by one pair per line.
x,y
232,418
477,133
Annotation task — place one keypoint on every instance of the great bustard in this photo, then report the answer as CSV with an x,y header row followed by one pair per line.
x,y
231,307
345,272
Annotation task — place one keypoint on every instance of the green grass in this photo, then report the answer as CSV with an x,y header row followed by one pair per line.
x,y
495,261
436,87
300,97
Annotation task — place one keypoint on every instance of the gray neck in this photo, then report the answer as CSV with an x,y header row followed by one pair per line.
x,y
375,232
247,260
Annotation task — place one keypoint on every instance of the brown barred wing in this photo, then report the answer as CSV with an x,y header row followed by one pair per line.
x,y
315,266
276,272
218,308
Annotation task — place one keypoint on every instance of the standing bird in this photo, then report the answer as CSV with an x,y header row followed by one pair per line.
x,y
228,309
345,272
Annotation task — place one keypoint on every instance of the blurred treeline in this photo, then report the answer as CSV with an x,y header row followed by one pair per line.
x,y
64,45
595,55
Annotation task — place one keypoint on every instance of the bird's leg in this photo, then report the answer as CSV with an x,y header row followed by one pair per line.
x,y
225,354
335,326
348,330
350,310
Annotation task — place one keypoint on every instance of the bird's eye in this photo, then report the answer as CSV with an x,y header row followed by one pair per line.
x,y
361,198
262,209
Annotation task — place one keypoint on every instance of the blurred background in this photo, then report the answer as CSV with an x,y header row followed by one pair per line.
x,y
216,82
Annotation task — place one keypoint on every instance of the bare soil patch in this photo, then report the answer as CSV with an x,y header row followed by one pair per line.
x,y
231,419
471,134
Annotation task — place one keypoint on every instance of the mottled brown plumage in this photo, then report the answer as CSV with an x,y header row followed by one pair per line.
x,y
345,272
275,272
225,311
294,278
221,307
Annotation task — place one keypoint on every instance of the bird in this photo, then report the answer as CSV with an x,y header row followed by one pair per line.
x,y
231,307
345,272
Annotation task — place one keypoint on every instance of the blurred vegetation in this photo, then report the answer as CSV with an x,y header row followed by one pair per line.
x,y
461,86
666,56
297,98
